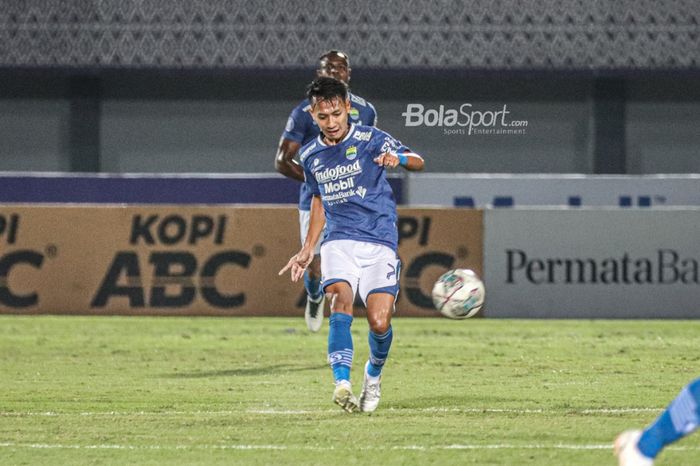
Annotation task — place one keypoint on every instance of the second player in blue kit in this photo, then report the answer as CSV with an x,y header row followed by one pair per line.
x,y
345,170
299,131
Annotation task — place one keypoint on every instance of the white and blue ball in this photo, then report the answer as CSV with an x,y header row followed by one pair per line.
x,y
459,294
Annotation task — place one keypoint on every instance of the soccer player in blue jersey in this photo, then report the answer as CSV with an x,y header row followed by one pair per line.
x,y
345,170
640,448
301,129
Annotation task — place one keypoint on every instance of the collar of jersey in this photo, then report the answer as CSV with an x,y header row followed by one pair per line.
x,y
347,136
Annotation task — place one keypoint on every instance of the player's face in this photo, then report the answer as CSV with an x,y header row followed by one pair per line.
x,y
331,116
336,67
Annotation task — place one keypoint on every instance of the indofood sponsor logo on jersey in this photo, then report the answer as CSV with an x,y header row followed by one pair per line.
x,y
339,172
339,183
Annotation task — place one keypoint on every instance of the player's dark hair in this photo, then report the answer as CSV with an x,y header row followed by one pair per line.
x,y
337,53
326,88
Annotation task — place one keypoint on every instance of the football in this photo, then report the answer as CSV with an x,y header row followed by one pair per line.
x,y
459,294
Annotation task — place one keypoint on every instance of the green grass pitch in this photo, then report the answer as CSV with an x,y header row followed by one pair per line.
x,y
142,390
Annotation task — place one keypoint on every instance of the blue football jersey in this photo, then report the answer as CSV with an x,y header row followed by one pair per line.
x,y
357,199
302,128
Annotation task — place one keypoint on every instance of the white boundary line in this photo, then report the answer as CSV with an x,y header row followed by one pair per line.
x,y
46,446
475,410
500,446
292,412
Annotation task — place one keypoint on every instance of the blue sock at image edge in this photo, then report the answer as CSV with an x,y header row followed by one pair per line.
x,y
678,420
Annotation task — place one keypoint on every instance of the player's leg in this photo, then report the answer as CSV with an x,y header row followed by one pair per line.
x,y
315,299
340,346
379,288
678,420
380,307
341,278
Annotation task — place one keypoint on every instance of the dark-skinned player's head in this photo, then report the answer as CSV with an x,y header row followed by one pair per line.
x,y
334,64
329,106
326,88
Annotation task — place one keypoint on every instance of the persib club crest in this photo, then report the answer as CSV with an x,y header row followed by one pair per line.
x,y
351,153
354,113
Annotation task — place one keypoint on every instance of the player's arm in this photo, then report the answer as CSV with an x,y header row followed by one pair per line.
x,y
285,162
301,260
408,160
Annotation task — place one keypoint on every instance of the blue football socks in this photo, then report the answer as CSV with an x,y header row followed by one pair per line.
x,y
313,286
680,418
379,346
340,349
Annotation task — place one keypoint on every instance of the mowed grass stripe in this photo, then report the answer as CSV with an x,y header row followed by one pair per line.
x,y
303,447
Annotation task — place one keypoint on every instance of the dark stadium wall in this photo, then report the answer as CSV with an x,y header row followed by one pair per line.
x,y
230,123
205,86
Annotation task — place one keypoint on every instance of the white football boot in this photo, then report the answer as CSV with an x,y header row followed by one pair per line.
x,y
627,452
343,397
313,315
371,392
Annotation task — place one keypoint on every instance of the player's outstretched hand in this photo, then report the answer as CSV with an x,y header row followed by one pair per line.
x,y
388,160
298,264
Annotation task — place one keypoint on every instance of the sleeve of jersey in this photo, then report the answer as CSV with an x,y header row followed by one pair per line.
x,y
385,142
295,128
310,181
375,117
